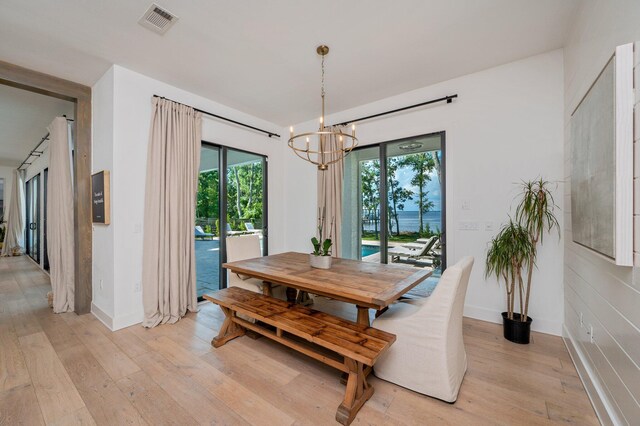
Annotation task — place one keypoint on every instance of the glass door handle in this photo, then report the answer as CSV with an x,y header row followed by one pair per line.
x,y
32,226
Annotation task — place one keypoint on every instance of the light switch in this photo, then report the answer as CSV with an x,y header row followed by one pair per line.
x,y
466,205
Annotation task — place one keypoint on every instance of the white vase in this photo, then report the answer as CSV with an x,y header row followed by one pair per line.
x,y
320,262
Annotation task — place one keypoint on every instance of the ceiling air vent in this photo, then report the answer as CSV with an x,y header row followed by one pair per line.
x,y
158,19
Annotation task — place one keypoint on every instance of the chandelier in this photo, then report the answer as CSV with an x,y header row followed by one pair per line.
x,y
326,146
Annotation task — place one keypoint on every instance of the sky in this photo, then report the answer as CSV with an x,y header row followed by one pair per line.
x,y
404,176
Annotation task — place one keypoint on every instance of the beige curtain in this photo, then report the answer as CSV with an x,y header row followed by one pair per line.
x,y
330,195
60,229
168,264
14,236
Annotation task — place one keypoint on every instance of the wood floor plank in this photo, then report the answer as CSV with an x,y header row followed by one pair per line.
x,y
190,395
56,392
82,417
249,405
115,362
13,370
19,406
102,397
153,403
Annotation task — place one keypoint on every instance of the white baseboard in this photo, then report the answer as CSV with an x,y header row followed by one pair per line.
x,y
102,316
115,323
126,321
539,325
601,405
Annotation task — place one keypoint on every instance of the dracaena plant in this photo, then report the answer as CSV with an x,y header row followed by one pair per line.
x,y
322,245
515,248
536,213
509,253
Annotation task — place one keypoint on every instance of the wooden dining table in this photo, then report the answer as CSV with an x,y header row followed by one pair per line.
x,y
366,285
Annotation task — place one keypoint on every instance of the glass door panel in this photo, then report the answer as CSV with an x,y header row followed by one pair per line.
x,y
361,224
33,218
414,199
246,195
207,225
242,211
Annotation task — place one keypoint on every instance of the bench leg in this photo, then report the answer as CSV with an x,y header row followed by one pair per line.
x,y
229,330
357,393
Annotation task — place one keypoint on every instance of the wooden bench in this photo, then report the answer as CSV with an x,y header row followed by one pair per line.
x,y
352,348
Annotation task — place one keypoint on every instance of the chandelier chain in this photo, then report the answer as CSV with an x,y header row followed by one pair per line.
x,y
322,90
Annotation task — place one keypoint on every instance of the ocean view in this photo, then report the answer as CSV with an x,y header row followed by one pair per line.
x,y
409,221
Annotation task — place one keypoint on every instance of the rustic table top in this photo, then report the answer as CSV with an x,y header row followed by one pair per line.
x,y
372,285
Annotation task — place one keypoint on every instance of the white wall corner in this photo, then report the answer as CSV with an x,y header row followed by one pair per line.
x,y
102,316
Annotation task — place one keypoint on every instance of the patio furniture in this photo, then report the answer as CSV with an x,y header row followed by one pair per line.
x,y
251,229
199,233
366,285
230,231
421,252
353,347
429,355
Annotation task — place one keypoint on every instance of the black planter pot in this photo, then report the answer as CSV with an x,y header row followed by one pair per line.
x,y
515,330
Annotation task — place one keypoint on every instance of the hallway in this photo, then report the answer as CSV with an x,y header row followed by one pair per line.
x,y
69,369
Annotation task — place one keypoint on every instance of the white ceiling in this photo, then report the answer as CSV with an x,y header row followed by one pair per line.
x,y
24,117
259,56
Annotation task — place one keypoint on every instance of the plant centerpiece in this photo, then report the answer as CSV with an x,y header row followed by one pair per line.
x,y
321,255
514,250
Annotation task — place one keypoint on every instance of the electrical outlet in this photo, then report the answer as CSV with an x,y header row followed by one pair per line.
x,y
466,205
138,287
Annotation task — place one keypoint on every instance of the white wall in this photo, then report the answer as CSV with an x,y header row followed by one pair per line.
x,y
505,126
606,295
127,139
102,159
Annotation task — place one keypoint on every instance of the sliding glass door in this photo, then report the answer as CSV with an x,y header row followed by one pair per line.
x,y
207,227
32,228
395,213
228,204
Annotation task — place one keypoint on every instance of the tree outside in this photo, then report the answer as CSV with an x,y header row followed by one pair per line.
x,y
413,195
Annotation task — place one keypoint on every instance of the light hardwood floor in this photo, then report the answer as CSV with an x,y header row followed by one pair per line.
x,y
69,369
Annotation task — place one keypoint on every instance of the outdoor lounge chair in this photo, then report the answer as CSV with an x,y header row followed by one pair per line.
x,y
199,233
421,253
251,229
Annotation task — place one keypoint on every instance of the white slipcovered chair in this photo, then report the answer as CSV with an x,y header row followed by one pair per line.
x,y
243,247
428,356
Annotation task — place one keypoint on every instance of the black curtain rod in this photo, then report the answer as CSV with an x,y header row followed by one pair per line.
x,y
448,99
268,133
34,152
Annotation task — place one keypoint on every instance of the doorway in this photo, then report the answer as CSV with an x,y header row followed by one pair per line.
x,y
228,204
394,203
80,95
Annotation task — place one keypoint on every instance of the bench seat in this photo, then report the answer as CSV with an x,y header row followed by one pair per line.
x,y
356,345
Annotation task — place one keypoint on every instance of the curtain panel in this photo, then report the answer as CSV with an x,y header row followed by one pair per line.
x,y
14,236
330,195
60,225
168,264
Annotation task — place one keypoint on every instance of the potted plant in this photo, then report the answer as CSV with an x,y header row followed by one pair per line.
x,y
515,248
321,255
